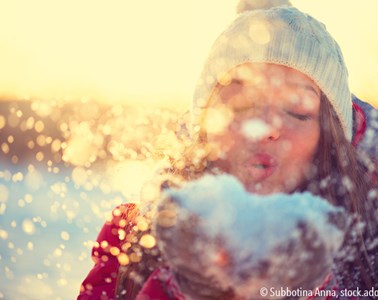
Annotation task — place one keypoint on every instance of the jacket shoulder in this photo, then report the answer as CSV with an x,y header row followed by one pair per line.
x,y
101,280
368,142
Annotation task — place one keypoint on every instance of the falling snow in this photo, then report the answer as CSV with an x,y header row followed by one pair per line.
x,y
64,167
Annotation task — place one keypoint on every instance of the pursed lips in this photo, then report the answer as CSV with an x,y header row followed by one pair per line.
x,y
261,166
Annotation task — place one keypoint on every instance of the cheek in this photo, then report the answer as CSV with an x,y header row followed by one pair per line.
x,y
303,142
220,143
299,159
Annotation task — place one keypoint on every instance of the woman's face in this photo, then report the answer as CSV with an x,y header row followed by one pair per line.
x,y
263,124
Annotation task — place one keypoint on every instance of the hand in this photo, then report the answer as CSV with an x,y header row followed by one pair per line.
x,y
214,233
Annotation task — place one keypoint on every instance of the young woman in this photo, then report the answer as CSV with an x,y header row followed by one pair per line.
x,y
272,108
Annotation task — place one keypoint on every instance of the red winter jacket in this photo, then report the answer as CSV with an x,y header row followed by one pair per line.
x,y
100,283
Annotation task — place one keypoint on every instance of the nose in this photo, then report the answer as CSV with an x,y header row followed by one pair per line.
x,y
274,125
273,135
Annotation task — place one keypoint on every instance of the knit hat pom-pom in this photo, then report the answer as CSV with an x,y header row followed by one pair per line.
x,y
246,5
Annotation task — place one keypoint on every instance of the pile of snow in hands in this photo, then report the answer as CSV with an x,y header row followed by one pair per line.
x,y
214,230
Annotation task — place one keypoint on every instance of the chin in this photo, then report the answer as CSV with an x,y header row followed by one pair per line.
x,y
260,189
265,188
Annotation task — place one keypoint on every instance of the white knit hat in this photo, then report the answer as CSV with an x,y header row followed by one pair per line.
x,y
281,35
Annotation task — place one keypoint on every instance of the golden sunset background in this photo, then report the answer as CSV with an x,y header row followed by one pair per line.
x,y
147,51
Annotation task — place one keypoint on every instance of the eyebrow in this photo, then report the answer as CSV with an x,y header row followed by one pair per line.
x,y
305,86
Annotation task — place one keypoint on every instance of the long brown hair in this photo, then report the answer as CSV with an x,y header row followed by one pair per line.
x,y
347,177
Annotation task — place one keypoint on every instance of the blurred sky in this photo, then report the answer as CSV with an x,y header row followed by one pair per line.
x,y
151,51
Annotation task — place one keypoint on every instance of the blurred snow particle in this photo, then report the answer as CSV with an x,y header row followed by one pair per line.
x,y
3,208
123,259
28,198
58,252
147,241
64,235
255,129
142,224
39,126
4,193
39,156
5,148
28,226
114,251
29,124
21,203
56,145
10,139
3,234
17,177
373,194
2,122
347,183
30,246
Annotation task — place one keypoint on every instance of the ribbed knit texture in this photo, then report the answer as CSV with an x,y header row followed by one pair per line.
x,y
285,36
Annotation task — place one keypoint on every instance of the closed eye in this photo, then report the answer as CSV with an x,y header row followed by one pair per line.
x,y
300,117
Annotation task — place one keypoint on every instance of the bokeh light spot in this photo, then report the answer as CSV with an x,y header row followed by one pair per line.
x,y
147,241
4,193
123,259
64,235
28,227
